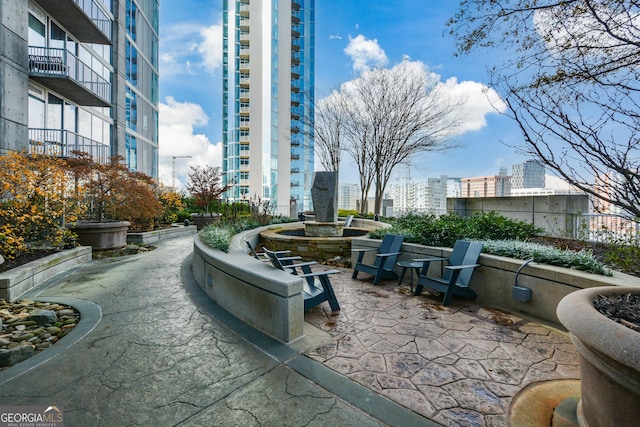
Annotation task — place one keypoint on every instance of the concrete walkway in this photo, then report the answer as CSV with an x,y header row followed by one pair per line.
x,y
152,349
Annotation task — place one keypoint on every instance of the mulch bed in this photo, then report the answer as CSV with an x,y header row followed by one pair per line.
x,y
624,309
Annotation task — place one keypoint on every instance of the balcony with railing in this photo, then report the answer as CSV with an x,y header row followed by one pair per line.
x,y
244,79
62,143
63,72
85,19
245,8
245,51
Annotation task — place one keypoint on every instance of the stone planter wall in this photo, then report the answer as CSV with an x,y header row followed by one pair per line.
x,y
493,281
202,220
147,237
17,281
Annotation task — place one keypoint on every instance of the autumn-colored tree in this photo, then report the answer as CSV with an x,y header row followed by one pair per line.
x,y
36,201
171,203
115,193
205,184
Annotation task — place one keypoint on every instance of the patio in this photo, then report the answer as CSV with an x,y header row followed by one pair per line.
x,y
457,365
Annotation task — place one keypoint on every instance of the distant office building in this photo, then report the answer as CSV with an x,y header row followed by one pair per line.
x,y
81,76
454,187
348,195
268,86
386,208
424,196
486,186
529,174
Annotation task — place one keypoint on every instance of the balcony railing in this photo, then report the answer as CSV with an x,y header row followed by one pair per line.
x,y
85,19
62,143
63,72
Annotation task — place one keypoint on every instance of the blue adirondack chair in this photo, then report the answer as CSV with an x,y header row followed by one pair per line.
x,y
382,267
457,274
316,287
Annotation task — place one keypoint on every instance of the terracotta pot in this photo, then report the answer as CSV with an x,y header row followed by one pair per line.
x,y
609,359
102,235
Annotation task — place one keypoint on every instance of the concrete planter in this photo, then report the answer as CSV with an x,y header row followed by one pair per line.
x,y
201,220
102,235
147,237
609,359
19,280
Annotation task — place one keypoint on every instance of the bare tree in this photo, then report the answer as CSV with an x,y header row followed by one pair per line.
x,y
572,86
394,114
327,124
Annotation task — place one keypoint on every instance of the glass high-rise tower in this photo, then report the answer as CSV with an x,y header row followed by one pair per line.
x,y
268,94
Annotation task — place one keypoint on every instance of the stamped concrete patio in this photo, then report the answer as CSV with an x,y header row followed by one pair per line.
x,y
458,365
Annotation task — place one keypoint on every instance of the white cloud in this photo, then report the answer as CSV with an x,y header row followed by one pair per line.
x,y
190,48
477,100
211,47
365,53
178,121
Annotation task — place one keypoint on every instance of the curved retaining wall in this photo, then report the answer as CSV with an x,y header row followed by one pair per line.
x,y
493,281
268,299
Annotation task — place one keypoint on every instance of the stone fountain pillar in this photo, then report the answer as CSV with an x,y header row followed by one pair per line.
x,y
324,194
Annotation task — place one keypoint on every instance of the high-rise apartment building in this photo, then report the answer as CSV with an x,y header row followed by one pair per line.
x,y
268,88
529,174
81,75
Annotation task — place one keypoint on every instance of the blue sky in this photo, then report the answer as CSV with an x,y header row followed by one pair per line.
x,y
350,34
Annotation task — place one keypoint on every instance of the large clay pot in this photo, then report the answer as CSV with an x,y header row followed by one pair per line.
x,y
609,359
102,235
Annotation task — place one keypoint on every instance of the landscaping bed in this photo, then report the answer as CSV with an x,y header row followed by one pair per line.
x,y
30,327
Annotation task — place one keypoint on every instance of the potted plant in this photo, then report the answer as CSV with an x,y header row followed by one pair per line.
x,y
206,186
116,199
609,354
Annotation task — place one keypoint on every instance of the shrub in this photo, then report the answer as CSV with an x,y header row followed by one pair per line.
x,y
581,260
35,201
624,257
172,206
431,230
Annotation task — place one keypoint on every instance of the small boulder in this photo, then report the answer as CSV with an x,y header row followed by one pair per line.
x,y
15,355
43,317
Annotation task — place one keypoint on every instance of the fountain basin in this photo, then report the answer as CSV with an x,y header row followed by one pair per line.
x,y
311,248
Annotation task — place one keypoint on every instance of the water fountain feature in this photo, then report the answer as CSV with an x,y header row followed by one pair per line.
x,y
322,238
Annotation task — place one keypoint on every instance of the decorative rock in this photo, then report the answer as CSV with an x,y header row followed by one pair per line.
x,y
24,337
15,355
53,330
43,317
325,196
65,312
4,342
